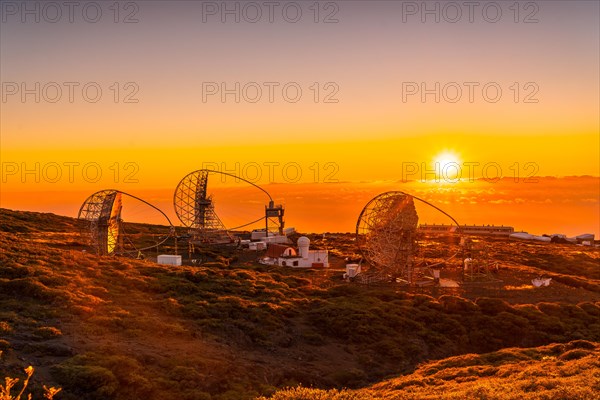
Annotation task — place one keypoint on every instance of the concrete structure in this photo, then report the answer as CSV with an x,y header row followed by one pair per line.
x,y
169,259
287,256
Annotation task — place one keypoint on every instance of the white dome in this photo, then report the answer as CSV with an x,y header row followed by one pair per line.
x,y
303,241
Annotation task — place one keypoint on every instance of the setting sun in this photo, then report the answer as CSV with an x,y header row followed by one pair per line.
x,y
447,157
447,165
326,199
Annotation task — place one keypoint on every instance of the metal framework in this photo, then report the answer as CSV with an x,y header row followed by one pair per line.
x,y
195,209
478,267
386,235
102,211
193,206
274,218
104,226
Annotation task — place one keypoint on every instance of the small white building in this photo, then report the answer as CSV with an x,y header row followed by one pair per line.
x,y
169,259
287,256
494,230
352,270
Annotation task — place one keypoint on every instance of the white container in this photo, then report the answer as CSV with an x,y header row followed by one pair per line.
x,y
169,259
352,270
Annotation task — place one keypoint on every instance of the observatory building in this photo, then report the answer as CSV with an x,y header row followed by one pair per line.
x,y
469,229
287,256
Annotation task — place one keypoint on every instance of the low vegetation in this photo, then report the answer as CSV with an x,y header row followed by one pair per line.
x,y
117,328
6,390
559,371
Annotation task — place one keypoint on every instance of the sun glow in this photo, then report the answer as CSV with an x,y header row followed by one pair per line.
x,y
447,165
445,158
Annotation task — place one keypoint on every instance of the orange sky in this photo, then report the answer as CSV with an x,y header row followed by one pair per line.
x,y
551,205
356,121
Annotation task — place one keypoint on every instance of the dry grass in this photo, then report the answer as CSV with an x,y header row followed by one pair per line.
x,y
556,372
115,328
11,383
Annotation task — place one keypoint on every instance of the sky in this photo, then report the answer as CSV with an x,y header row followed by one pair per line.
x,y
309,96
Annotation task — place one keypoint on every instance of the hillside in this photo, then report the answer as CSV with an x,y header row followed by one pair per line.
x,y
229,328
559,371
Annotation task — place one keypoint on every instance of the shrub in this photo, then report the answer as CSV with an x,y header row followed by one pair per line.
x,y
4,345
5,327
580,344
454,304
492,306
574,354
47,332
28,287
96,383
313,338
590,308
349,378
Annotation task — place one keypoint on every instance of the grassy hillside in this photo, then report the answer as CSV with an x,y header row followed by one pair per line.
x,y
117,328
560,371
